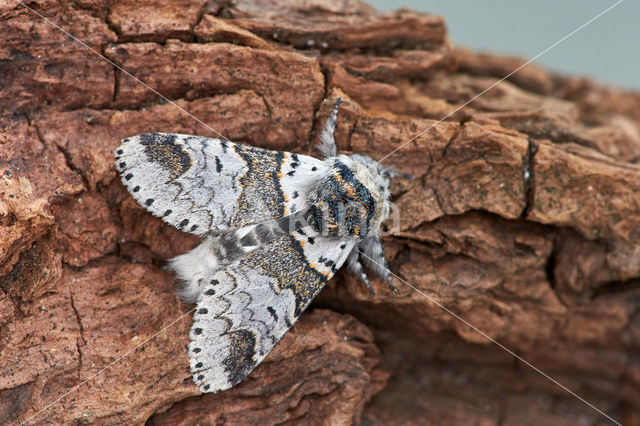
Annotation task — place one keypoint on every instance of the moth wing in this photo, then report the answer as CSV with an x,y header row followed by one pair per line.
x,y
247,307
201,184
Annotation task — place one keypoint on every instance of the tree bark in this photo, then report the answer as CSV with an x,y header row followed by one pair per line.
x,y
522,218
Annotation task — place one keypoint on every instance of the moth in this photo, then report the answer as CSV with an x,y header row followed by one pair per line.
x,y
275,227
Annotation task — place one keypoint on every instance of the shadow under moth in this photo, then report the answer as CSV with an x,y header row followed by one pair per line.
x,y
275,227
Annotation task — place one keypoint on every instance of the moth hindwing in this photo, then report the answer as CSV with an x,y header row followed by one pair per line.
x,y
276,226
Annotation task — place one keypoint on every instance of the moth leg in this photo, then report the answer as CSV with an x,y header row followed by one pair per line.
x,y
327,144
374,259
353,263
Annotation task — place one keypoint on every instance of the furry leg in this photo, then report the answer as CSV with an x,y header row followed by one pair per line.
x,y
374,259
353,263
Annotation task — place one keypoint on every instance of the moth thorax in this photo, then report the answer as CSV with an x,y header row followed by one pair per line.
x,y
342,206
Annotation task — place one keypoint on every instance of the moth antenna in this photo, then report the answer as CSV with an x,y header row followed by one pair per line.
x,y
327,144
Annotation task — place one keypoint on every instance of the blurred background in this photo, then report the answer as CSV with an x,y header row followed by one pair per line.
x,y
607,50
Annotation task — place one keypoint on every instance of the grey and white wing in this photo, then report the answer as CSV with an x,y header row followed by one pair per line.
x,y
246,308
201,184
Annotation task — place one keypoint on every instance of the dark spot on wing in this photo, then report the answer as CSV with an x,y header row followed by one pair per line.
x,y
240,361
203,311
272,312
210,292
167,213
218,165
163,150
136,189
184,223
128,176
295,194
149,202
197,331
328,263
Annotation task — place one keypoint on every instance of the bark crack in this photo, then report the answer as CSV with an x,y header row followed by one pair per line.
x,y
65,154
316,108
113,27
452,139
528,170
351,132
439,202
116,84
617,286
82,341
72,167
550,266
199,16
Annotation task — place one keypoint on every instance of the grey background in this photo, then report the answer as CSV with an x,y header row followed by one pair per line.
x,y
607,50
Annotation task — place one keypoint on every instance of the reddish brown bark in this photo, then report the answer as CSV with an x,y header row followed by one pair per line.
x,y
523,218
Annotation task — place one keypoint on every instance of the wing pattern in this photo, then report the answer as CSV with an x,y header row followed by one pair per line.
x,y
246,308
200,185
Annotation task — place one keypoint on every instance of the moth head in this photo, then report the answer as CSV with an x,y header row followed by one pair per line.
x,y
375,178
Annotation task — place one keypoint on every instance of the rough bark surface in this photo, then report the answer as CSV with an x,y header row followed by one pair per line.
x,y
523,218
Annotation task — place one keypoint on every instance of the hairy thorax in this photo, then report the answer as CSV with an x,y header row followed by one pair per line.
x,y
351,200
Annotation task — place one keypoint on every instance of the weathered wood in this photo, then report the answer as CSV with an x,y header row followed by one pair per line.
x,y
523,218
